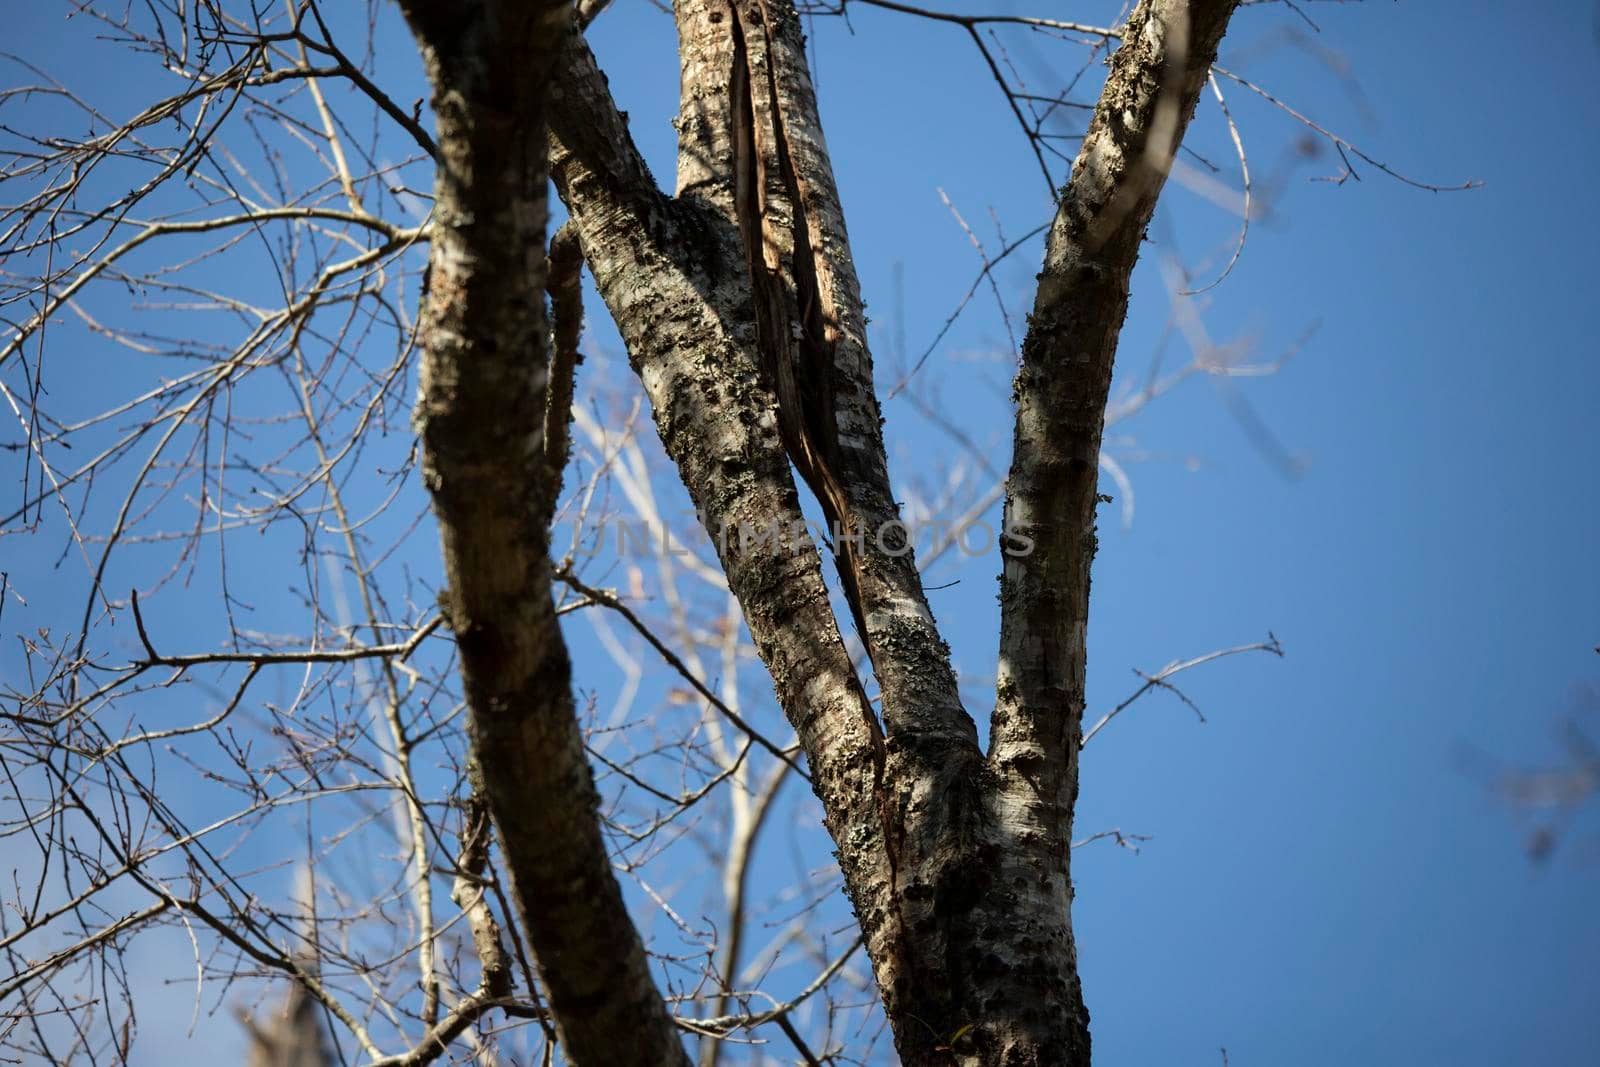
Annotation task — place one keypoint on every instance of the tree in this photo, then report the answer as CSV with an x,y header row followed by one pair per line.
x,y
738,303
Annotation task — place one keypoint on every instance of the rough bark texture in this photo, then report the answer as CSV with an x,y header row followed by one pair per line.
x,y
673,274
740,308
491,459
1061,389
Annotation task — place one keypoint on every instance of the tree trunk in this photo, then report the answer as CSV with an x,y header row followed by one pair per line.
x,y
493,433
739,305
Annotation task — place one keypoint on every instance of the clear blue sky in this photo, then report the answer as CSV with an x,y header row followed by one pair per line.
x,y
1330,880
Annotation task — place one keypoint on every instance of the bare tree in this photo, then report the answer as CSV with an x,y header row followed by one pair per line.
x,y
250,469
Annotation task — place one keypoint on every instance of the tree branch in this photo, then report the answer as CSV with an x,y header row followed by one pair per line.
x,y
485,398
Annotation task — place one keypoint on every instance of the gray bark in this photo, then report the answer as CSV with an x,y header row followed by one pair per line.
x,y
493,430
740,309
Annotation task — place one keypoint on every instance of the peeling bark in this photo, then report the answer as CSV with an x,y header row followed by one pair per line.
x,y
740,308
673,274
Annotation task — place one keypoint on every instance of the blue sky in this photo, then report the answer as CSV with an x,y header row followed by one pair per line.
x,y
1329,878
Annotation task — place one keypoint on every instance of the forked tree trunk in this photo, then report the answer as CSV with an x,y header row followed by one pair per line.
x,y
739,304
738,301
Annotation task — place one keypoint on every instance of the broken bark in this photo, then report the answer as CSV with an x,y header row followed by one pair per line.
x,y
741,311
